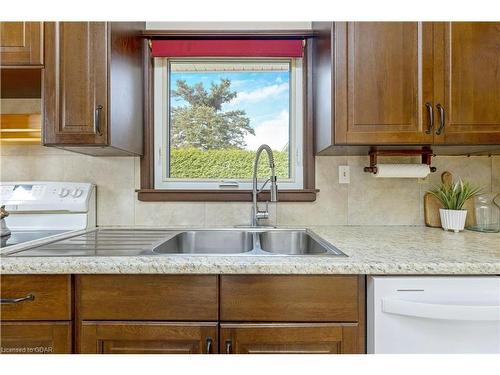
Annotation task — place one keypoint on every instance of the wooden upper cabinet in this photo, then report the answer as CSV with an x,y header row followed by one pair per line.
x,y
381,81
76,83
394,83
21,43
467,81
92,87
386,62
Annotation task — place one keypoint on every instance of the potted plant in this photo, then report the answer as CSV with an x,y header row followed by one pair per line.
x,y
452,197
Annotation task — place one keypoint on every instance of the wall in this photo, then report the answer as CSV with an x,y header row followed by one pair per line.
x,y
365,201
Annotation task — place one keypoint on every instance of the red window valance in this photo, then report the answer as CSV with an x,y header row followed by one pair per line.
x,y
227,48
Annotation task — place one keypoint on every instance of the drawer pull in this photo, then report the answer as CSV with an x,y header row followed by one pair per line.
x,y
441,119
6,301
209,345
97,119
431,118
229,347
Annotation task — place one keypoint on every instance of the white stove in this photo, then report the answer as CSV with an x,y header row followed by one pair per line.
x,y
40,209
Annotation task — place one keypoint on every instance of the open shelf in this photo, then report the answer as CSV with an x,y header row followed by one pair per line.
x,y
20,129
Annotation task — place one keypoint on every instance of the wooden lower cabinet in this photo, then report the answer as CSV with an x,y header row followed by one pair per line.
x,y
175,314
183,314
35,338
192,298
290,338
50,297
148,338
290,298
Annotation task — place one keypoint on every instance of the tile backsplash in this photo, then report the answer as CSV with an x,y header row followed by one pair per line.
x,y
365,201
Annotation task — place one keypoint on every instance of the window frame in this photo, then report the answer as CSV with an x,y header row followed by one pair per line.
x,y
162,126
146,191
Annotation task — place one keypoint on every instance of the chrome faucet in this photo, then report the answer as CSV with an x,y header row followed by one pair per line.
x,y
258,214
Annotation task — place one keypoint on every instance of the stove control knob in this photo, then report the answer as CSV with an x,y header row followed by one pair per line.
x,y
63,192
77,193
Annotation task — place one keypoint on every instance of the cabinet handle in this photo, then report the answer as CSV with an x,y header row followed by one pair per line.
x,y
431,118
229,347
441,119
209,345
6,301
97,120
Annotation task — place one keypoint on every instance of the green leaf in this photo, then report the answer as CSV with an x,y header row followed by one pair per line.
x,y
225,163
454,196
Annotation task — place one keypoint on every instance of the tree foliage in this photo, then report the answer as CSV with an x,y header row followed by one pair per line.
x,y
202,124
230,164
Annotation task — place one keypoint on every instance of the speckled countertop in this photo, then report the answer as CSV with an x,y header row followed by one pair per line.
x,y
370,250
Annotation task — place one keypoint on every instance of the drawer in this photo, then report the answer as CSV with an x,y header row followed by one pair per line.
x,y
147,297
51,297
35,338
287,298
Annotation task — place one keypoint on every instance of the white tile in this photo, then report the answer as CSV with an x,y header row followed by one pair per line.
x,y
226,214
382,201
115,206
29,150
475,169
495,174
113,172
41,168
330,207
165,214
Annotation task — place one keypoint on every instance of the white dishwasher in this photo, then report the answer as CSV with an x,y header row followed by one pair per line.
x,y
433,314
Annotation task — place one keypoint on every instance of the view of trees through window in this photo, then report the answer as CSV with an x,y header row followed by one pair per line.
x,y
220,113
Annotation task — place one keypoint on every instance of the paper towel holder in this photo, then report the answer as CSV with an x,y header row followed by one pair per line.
x,y
425,152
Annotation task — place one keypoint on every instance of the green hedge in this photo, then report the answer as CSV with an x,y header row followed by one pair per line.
x,y
225,163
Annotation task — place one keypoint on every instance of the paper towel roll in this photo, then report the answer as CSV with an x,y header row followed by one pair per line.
x,y
402,171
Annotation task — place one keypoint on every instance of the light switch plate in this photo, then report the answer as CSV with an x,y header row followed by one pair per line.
x,y
344,174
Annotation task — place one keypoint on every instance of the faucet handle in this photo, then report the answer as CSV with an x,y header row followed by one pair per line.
x,y
3,212
263,214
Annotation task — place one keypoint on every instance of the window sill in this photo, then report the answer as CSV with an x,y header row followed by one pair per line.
x,y
154,195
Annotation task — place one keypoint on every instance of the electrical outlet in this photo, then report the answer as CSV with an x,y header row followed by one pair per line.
x,y
344,174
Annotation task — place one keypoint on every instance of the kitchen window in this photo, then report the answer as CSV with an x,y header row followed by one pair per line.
x,y
211,110
211,115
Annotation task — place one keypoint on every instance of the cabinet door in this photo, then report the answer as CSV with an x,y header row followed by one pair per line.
x,y
291,338
383,82
35,337
21,43
148,338
468,81
75,83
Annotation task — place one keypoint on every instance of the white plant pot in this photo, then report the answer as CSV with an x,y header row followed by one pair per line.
x,y
453,219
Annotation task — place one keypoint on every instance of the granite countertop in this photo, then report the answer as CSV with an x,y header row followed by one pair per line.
x,y
370,250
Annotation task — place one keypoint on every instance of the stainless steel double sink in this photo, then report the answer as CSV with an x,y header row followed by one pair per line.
x,y
204,242
247,242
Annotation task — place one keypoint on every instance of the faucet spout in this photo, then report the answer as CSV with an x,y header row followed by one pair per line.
x,y
256,213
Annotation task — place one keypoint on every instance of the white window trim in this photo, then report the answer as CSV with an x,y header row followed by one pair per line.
x,y
161,138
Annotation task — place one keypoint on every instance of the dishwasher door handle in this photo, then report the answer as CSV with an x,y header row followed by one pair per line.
x,y
439,311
